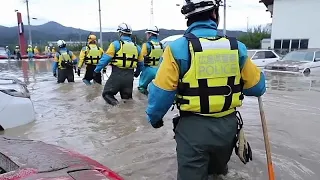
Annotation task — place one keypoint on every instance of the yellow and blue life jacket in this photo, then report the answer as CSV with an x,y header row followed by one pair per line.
x,y
213,85
127,56
154,57
93,56
65,60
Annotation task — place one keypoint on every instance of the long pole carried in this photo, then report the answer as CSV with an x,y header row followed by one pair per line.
x,y
266,140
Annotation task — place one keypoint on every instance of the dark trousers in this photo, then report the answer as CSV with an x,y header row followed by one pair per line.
x,y
120,80
64,74
204,145
89,74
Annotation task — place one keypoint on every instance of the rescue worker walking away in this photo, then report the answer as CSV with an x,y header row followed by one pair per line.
x,y
64,62
17,53
207,76
30,52
123,56
151,52
8,52
36,50
90,55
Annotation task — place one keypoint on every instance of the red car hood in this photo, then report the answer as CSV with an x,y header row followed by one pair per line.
x,y
34,160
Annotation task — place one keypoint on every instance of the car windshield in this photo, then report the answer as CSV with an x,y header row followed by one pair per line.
x,y
251,53
299,56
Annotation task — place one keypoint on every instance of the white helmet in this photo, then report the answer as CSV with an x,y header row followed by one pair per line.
x,y
7,46
61,43
198,6
29,45
153,30
17,46
124,28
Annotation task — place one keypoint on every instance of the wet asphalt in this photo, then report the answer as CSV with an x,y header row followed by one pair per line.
x,y
76,117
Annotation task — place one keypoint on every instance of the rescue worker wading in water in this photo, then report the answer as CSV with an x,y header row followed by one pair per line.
x,y
123,56
64,62
90,55
151,52
208,77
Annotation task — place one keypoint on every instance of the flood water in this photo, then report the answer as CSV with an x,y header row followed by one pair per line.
x,y
75,116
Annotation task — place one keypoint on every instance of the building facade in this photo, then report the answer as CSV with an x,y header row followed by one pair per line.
x,y
295,24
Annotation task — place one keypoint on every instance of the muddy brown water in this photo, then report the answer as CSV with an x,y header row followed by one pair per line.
x,y
75,116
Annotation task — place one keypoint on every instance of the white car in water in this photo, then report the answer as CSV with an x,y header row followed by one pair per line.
x,y
301,61
262,57
16,107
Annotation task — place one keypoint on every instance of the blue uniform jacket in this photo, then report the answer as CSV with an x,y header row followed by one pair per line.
x,y
164,88
106,58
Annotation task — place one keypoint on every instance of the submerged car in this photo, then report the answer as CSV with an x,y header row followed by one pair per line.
x,y
24,159
262,57
300,61
16,107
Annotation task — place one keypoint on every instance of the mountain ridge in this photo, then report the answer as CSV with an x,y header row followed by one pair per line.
x,y
53,31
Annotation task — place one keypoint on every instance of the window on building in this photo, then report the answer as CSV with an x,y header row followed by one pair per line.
x,y
285,44
269,54
295,43
277,44
304,43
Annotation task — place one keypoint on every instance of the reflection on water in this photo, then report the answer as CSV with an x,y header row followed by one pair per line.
x,y
75,116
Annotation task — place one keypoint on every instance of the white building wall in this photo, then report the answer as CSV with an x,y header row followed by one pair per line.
x,y
296,19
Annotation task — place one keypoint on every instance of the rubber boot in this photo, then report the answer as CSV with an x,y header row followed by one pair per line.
x,y
88,83
110,99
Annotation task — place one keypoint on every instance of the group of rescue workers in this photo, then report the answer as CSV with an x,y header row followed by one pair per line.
x,y
31,52
206,76
127,59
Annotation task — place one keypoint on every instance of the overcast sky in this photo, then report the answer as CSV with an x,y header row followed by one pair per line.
x,y
84,13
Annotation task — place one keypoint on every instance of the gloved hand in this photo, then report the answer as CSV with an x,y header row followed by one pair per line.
x,y
78,72
136,74
55,74
158,124
243,149
104,71
175,121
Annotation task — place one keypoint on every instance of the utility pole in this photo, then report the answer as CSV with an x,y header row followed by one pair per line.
x,y
101,44
224,17
29,26
151,14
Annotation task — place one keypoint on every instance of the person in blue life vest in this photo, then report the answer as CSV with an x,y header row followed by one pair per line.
x,y
123,55
90,55
64,61
151,52
30,52
207,77
8,52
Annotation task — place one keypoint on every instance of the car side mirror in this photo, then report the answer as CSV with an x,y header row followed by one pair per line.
x,y
316,59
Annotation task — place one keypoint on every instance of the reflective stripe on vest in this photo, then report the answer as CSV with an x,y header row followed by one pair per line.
x,y
93,56
64,60
212,86
156,52
127,56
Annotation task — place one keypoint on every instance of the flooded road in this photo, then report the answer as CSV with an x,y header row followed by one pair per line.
x,y
75,116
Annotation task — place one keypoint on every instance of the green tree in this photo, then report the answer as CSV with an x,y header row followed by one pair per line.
x,y
252,39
